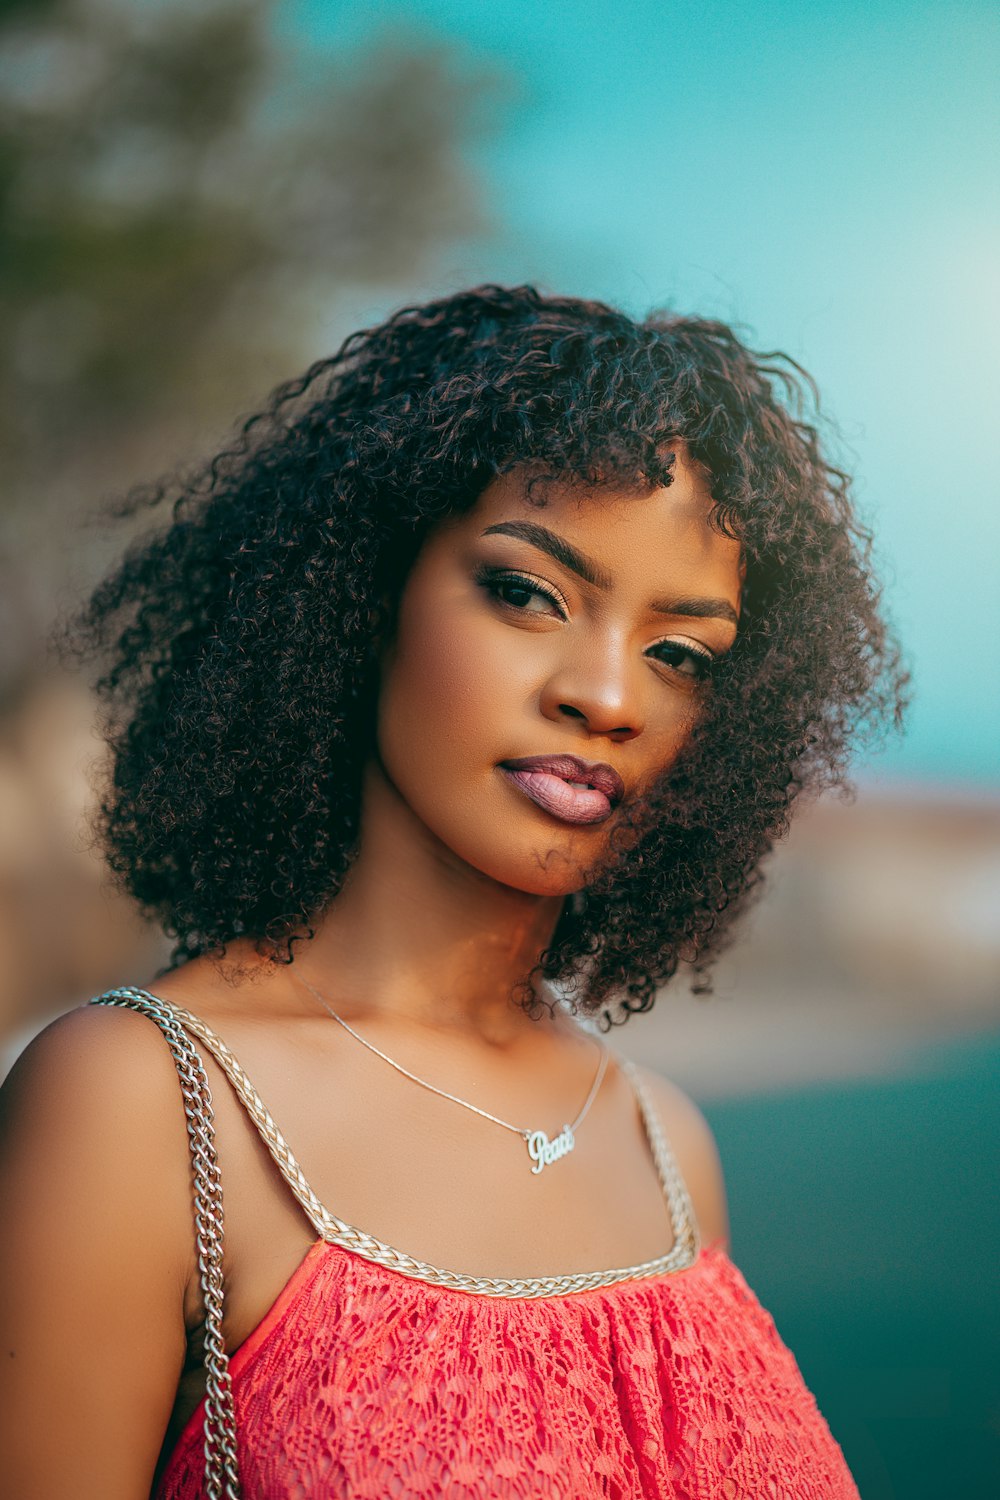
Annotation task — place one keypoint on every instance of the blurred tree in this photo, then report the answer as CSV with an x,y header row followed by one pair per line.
x,y
187,201
184,194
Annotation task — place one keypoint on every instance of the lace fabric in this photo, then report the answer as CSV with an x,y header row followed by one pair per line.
x,y
362,1382
374,1375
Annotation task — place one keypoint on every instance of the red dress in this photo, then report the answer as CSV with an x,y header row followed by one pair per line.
x,y
375,1376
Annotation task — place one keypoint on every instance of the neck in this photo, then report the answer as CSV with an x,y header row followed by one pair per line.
x,y
419,935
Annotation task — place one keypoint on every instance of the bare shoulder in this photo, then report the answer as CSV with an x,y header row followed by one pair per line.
x,y
102,1058
696,1153
93,1105
96,1254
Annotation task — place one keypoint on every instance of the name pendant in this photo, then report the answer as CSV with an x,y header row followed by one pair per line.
x,y
544,1152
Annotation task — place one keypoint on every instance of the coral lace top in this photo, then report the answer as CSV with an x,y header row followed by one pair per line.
x,y
376,1375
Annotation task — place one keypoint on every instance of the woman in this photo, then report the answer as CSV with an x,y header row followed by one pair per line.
x,y
455,706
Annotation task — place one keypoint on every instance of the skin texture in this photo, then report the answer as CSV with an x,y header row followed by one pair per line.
x,y
457,884
534,683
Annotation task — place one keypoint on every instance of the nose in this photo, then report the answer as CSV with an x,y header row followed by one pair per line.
x,y
599,686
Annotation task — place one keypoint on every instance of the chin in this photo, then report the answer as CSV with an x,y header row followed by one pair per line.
x,y
538,870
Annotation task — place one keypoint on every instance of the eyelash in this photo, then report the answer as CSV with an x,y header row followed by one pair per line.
x,y
493,581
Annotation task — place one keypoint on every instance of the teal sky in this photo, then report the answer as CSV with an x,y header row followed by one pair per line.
x,y
824,174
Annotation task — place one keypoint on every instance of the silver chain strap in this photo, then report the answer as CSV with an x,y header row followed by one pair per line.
x,y
221,1469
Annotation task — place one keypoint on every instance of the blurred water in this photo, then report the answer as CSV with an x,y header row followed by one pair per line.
x,y
866,1218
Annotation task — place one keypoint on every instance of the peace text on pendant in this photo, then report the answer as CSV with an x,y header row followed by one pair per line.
x,y
544,1152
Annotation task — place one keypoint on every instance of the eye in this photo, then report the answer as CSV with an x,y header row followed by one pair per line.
x,y
688,660
520,592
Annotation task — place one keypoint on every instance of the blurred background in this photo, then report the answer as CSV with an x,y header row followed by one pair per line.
x,y
198,198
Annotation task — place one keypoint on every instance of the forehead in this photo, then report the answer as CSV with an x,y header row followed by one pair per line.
x,y
642,538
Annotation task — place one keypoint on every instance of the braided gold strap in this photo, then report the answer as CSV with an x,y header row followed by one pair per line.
x,y
682,1215
682,1253
221,1470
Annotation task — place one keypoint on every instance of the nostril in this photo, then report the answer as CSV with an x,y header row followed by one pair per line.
x,y
567,708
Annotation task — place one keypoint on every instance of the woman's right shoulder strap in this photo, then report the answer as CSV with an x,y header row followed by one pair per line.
x,y
180,1025
221,1472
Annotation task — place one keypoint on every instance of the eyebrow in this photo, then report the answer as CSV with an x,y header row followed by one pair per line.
x,y
588,570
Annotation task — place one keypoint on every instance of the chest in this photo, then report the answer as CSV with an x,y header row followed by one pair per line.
x,y
442,1185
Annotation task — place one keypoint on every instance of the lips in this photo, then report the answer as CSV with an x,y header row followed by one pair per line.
x,y
572,789
574,770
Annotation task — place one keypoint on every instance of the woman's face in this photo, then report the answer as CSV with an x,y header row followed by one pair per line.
x,y
580,629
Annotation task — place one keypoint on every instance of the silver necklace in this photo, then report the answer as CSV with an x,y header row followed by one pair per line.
x,y
541,1150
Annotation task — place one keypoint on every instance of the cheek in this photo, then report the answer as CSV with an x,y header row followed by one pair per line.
x,y
445,695
435,674
457,697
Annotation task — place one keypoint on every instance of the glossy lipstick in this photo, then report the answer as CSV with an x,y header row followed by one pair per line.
x,y
574,790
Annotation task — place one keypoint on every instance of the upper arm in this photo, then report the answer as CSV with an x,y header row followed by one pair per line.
x,y
95,1255
697,1157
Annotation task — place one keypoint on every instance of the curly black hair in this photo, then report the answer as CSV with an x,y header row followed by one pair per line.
x,y
238,679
